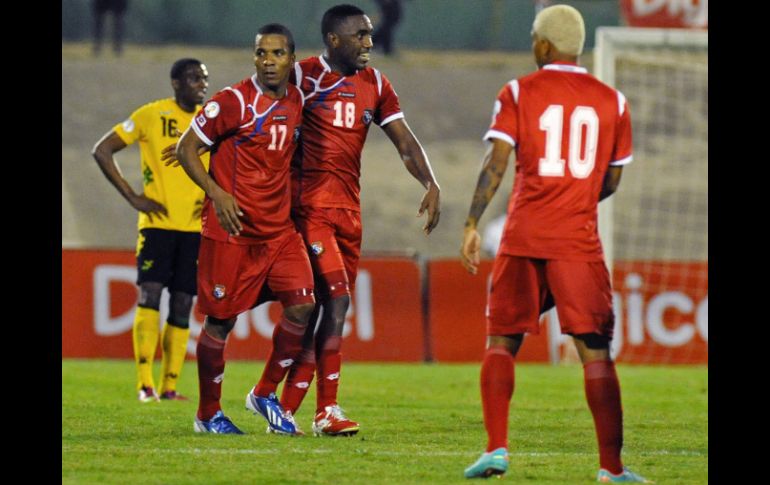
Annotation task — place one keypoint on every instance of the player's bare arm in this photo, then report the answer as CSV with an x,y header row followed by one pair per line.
x,y
227,209
103,152
416,162
611,182
492,171
168,155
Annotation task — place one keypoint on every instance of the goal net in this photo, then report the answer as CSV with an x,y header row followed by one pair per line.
x,y
655,227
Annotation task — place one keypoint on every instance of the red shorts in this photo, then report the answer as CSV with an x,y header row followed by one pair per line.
x,y
523,288
333,238
230,276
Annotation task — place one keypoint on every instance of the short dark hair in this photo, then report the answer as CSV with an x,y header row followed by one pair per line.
x,y
280,30
179,67
336,15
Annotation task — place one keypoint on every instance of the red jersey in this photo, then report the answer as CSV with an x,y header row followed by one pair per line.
x,y
337,114
252,139
567,128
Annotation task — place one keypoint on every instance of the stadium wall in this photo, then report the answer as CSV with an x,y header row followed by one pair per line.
x,y
404,310
426,24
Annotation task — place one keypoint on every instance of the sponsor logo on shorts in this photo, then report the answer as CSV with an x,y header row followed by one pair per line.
x,y
201,120
211,109
147,264
219,291
317,248
367,117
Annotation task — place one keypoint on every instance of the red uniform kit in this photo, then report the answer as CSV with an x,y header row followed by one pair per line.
x,y
252,139
338,112
567,128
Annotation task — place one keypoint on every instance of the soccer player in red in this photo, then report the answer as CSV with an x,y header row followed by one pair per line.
x,y
572,136
343,97
248,238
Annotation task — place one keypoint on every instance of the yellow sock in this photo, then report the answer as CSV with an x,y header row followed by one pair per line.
x,y
174,341
146,323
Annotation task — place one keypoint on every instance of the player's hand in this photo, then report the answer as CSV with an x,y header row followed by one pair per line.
x,y
144,204
168,155
432,203
227,211
470,249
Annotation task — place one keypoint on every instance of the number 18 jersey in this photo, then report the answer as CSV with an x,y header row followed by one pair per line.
x,y
567,128
337,115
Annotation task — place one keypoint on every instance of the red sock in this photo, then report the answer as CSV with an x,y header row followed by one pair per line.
x,y
299,380
287,344
329,364
211,370
497,382
603,395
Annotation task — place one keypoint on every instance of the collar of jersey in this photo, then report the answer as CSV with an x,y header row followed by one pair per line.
x,y
565,67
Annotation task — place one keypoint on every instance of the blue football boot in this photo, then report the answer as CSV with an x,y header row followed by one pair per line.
x,y
605,476
272,411
219,424
494,462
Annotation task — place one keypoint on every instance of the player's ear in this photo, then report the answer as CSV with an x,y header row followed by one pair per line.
x,y
175,84
332,39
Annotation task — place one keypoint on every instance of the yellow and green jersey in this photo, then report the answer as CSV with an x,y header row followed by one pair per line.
x,y
155,126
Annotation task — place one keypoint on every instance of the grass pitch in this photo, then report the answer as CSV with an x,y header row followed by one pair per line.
x,y
419,424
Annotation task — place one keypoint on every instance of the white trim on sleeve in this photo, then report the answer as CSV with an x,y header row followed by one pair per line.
x,y
379,81
621,162
393,117
500,136
515,90
621,103
200,134
298,73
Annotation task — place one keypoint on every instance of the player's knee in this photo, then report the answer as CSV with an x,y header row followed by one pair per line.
x,y
594,341
218,327
299,313
510,343
149,295
338,308
179,313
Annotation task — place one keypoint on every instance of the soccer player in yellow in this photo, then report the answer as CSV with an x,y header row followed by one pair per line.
x,y
169,224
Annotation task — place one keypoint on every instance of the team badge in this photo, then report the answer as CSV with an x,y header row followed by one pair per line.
x,y
367,117
201,120
317,248
211,109
219,291
128,126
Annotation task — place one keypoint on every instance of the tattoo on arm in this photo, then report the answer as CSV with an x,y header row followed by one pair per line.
x,y
489,181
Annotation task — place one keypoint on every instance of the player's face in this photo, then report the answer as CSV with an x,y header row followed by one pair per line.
x,y
273,61
352,44
193,84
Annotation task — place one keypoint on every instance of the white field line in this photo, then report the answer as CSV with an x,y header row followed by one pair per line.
x,y
268,451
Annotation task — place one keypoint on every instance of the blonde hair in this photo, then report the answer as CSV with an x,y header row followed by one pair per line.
x,y
563,26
